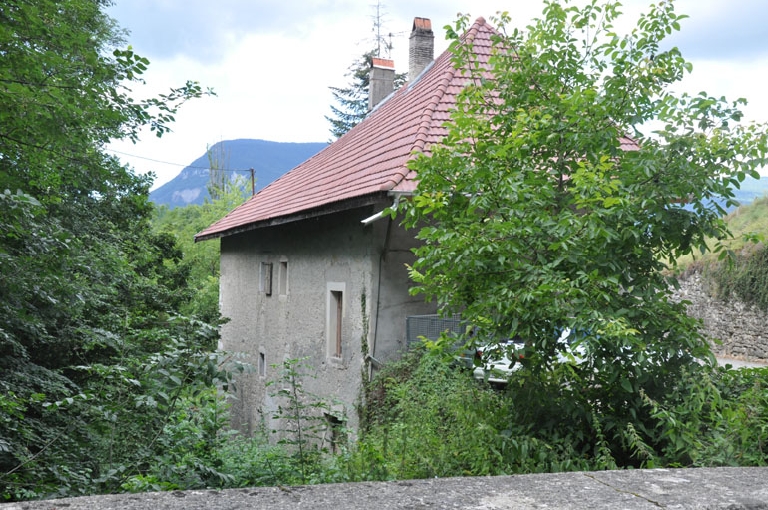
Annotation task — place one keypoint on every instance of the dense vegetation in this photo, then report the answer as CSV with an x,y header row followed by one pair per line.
x,y
109,377
200,260
431,420
741,271
572,171
94,358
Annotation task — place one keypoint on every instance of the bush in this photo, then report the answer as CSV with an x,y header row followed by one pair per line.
x,y
744,277
441,422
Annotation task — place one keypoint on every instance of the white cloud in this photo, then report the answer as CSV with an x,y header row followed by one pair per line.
x,y
271,62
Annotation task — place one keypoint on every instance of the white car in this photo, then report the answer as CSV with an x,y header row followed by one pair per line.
x,y
495,363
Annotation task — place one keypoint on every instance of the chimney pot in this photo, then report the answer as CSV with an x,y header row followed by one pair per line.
x,y
421,51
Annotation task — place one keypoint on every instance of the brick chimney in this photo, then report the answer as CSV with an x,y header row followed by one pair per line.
x,y
381,81
421,51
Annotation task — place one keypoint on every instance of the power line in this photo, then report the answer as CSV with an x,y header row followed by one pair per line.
x,y
176,164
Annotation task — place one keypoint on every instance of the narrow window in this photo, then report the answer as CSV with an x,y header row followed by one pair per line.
x,y
262,364
266,278
334,320
337,431
337,305
283,278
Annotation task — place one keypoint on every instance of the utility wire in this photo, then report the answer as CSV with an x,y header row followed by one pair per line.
x,y
176,164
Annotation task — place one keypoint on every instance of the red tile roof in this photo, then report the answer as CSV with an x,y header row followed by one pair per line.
x,y
371,158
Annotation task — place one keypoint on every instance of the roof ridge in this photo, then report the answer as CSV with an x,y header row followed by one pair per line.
x,y
371,159
426,117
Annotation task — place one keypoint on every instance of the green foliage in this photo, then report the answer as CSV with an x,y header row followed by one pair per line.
x,y
352,100
188,454
741,271
200,260
539,222
748,225
305,430
535,218
716,420
744,277
86,288
125,419
432,420
748,222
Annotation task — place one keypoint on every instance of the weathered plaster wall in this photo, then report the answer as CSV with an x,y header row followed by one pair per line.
x,y
332,252
393,301
742,329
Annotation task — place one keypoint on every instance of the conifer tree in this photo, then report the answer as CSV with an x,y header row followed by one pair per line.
x,y
352,101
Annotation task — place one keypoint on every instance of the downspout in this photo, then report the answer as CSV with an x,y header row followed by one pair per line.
x,y
385,247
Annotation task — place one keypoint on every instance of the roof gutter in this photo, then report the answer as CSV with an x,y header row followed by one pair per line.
x,y
397,194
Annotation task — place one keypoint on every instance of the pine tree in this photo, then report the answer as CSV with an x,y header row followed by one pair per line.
x,y
352,100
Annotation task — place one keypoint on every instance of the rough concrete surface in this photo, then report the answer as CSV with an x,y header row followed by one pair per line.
x,y
705,488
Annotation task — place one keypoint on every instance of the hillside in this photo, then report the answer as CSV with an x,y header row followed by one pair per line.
x,y
270,160
751,218
750,190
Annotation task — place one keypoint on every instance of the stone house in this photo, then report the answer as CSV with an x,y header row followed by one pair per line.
x,y
311,268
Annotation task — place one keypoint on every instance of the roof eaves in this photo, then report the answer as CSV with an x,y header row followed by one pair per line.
x,y
330,208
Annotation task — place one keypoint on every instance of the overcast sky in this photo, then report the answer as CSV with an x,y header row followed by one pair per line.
x,y
271,61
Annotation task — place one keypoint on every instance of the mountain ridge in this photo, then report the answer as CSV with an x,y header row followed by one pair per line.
x,y
269,160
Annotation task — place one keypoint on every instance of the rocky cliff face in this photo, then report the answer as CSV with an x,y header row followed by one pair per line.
x,y
269,160
742,329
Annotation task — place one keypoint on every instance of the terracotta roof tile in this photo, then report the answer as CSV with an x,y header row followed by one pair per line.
x,y
369,159
372,157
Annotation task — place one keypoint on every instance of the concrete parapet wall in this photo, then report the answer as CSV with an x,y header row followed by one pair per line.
x,y
710,488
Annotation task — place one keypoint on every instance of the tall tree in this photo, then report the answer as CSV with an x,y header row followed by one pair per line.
x,y
86,287
202,259
572,173
352,100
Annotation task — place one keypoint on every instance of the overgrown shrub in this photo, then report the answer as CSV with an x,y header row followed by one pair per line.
x,y
441,422
717,420
745,277
430,419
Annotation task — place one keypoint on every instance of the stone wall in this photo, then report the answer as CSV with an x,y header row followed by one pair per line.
x,y
630,489
741,328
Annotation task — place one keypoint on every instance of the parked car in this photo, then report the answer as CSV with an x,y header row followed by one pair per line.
x,y
495,363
